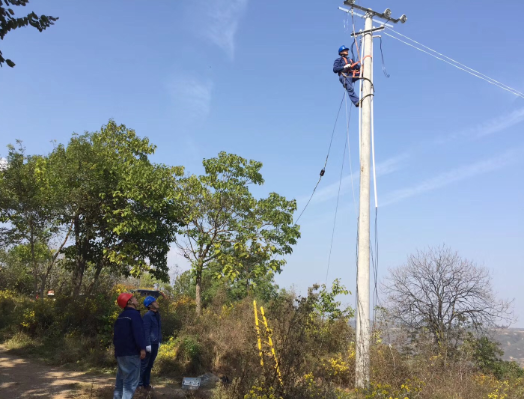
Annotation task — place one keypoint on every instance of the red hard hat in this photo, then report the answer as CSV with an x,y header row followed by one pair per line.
x,y
123,299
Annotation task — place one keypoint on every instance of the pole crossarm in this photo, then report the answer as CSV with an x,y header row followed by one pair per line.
x,y
363,32
385,15
352,12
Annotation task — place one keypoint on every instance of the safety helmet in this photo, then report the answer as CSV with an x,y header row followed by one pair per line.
x,y
149,300
342,48
123,299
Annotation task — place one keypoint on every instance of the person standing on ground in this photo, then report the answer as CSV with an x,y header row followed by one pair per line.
x,y
153,335
130,347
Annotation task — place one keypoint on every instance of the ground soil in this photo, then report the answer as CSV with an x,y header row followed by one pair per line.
x,y
32,378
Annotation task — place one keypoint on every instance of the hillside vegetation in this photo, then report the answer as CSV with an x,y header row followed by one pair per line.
x,y
97,217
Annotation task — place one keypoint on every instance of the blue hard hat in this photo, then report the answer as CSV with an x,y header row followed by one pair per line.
x,y
342,48
149,300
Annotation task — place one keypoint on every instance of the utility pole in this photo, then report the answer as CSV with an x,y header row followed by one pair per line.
x,y
363,331
363,301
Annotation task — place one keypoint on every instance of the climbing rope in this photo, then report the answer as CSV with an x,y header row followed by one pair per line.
x,y
323,170
346,144
336,211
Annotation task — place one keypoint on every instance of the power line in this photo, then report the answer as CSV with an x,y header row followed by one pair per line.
x,y
458,63
336,210
478,75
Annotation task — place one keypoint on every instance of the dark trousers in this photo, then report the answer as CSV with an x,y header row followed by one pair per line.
x,y
348,85
147,365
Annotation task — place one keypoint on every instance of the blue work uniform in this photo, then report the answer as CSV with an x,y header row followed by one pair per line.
x,y
129,340
153,337
345,76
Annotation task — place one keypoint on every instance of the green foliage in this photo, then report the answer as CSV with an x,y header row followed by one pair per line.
x,y
263,288
124,209
25,197
9,22
15,273
228,227
61,330
184,285
327,306
30,209
487,355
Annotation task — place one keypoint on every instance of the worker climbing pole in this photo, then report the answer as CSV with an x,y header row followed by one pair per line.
x,y
365,73
348,73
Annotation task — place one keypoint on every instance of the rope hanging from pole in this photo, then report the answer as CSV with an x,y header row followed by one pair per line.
x,y
386,74
323,170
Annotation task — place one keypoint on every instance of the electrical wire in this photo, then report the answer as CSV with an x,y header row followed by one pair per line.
x,y
325,163
458,63
349,156
336,208
384,70
468,70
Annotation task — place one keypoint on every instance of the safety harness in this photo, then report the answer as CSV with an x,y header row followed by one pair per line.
x,y
356,72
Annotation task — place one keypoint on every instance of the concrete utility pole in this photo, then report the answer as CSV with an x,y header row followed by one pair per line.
x,y
363,311
363,267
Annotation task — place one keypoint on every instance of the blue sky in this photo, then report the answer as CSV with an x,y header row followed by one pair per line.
x,y
254,78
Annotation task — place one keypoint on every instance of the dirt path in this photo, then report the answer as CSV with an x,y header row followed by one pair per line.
x,y
30,378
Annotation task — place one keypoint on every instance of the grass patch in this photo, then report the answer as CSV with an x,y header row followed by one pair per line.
x,y
75,354
19,340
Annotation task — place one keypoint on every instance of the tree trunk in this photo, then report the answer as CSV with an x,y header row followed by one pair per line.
x,y
98,270
33,259
42,285
80,260
52,262
78,277
198,294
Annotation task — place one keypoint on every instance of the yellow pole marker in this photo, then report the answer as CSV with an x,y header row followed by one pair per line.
x,y
270,342
258,335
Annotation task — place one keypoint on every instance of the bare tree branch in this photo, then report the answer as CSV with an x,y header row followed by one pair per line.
x,y
446,295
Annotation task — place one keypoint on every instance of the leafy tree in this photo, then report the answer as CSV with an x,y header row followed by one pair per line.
x,y
227,226
30,209
439,292
327,306
263,288
183,285
9,22
487,355
15,273
124,209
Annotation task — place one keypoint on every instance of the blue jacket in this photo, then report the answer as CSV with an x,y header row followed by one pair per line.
x,y
152,328
129,333
338,66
